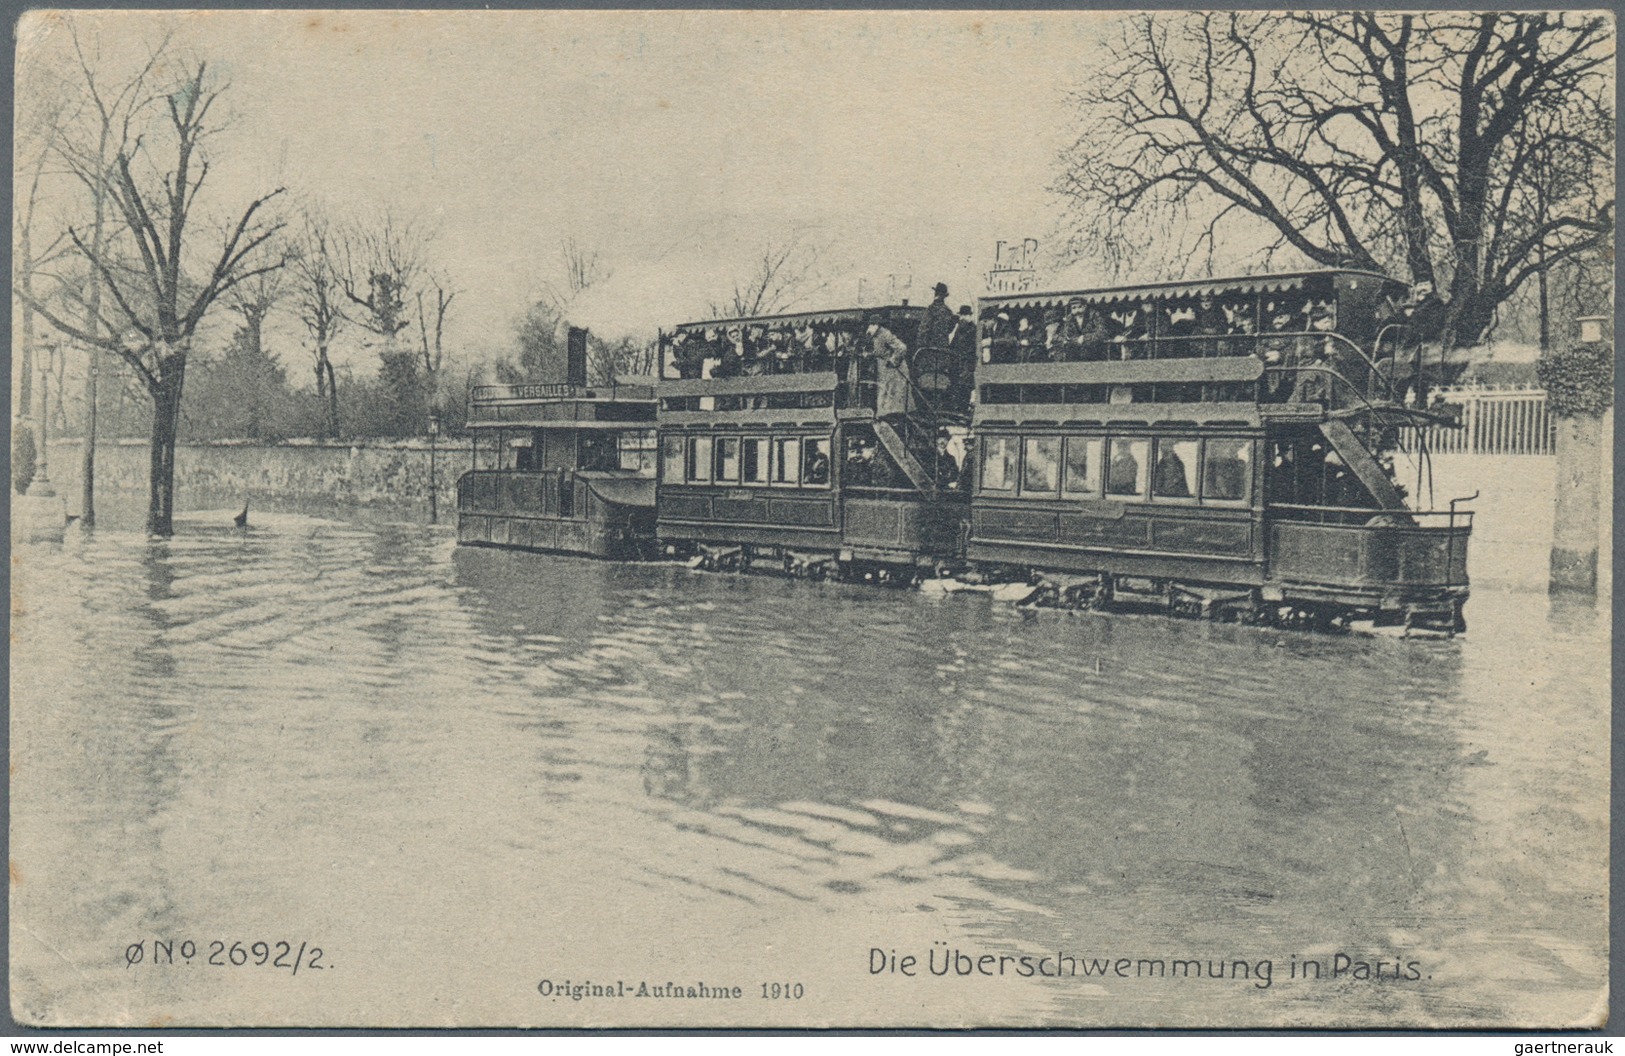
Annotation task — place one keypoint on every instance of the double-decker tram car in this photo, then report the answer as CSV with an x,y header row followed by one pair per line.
x,y
818,443
561,466
1215,447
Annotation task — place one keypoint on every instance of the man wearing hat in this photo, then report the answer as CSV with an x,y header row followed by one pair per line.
x,y
938,323
932,361
962,353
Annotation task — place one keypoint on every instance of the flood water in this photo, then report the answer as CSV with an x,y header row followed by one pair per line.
x,y
461,773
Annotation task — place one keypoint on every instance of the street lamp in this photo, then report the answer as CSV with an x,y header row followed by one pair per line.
x,y
434,476
1591,328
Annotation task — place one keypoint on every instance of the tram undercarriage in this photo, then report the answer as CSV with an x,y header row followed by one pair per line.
x,y
1323,611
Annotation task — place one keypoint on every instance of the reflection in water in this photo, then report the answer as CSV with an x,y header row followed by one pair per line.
x,y
360,735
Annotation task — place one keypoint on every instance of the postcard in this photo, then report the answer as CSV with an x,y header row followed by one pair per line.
x,y
806,519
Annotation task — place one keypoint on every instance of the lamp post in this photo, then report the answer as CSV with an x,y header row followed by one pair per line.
x,y
42,479
434,476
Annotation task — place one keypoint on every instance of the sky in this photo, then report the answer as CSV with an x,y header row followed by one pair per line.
x,y
676,145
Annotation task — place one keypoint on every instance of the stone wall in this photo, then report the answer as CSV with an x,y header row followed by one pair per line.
x,y
372,473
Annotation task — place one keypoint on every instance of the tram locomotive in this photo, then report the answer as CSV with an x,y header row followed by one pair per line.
x,y
1217,448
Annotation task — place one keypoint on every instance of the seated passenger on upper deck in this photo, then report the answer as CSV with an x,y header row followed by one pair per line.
x,y
1133,325
998,339
1083,334
1029,342
808,350
781,353
731,356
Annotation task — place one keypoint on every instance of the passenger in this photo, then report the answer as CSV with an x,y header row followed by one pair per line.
x,y
1169,479
1208,325
755,352
962,357
731,359
1123,474
781,353
1084,332
962,338
687,358
937,324
1179,323
999,340
891,370
947,471
859,471
1314,384
1238,329
816,470
807,348
1028,341
1054,345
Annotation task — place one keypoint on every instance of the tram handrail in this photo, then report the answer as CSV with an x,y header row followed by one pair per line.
x,y
1451,515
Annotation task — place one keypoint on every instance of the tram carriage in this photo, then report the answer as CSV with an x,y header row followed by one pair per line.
x,y
1215,447
776,445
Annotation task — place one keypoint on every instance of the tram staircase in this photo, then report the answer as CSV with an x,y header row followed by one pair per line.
x,y
902,454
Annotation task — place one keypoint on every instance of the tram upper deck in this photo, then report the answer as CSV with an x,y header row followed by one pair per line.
x,y
1301,344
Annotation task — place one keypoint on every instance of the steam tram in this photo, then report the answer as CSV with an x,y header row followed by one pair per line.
x,y
1220,448
564,467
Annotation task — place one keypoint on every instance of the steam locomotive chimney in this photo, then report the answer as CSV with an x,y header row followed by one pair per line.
x,y
575,363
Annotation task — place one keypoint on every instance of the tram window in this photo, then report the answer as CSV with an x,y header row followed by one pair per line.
x,y
1041,466
815,462
671,459
699,459
1225,463
753,459
1125,468
727,459
1083,465
786,460
1175,474
637,451
999,463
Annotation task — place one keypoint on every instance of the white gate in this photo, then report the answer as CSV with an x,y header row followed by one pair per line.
x,y
1510,421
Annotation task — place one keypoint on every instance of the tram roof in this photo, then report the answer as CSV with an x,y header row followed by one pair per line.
x,y
1279,282
829,315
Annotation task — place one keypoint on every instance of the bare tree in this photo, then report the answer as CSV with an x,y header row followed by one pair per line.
x,y
432,333
156,301
318,294
785,274
1472,151
583,267
384,260
104,130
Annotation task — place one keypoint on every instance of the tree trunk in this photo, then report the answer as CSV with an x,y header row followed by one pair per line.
x,y
166,418
332,391
1574,530
161,463
87,455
